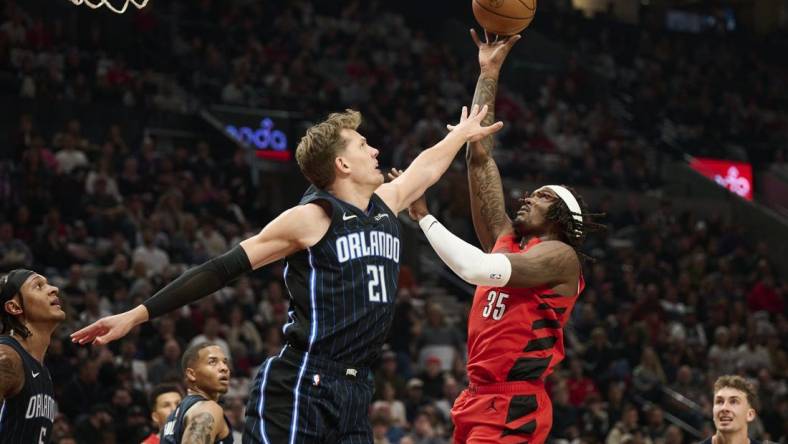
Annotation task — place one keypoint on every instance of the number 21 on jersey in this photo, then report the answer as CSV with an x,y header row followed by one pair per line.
x,y
377,283
496,305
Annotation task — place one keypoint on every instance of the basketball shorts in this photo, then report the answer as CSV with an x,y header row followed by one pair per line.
x,y
504,413
300,399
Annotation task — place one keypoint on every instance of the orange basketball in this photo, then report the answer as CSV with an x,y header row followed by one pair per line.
x,y
504,17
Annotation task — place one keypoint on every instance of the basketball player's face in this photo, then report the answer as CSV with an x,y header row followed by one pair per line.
x,y
165,404
40,301
532,215
731,410
360,159
212,370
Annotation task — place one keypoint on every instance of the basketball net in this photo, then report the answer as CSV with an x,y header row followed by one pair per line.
x,y
95,4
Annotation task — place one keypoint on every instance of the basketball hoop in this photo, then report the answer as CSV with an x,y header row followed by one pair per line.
x,y
95,4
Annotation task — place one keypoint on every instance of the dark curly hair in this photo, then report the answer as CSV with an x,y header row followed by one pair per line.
x,y
571,231
8,322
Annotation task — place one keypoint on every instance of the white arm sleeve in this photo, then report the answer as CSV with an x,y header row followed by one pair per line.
x,y
468,262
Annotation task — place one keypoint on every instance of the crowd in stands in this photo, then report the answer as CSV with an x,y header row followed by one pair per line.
x,y
673,299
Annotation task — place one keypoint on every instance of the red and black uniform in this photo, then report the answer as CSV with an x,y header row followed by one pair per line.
x,y
515,339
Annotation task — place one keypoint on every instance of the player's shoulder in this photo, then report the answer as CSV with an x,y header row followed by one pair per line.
x,y
9,356
205,406
305,216
11,371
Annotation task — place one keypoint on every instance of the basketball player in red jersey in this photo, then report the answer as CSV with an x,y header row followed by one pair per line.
x,y
528,276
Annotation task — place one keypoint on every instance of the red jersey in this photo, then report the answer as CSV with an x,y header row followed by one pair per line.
x,y
516,334
151,439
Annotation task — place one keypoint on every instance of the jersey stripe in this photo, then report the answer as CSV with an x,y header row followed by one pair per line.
x,y
313,333
261,404
2,413
290,317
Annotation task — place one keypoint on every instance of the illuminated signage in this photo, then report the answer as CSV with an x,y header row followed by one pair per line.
x,y
269,143
735,176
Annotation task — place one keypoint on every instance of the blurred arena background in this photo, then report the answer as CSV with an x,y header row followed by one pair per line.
x,y
137,145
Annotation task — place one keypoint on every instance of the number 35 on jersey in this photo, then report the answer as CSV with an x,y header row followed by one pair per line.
x,y
496,305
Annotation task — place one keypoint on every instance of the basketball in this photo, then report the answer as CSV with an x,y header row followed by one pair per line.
x,y
504,17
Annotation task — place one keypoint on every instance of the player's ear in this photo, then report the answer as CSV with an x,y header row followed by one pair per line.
x,y
750,415
190,377
342,165
13,308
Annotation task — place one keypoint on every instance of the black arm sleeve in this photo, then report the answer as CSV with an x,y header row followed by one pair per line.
x,y
198,282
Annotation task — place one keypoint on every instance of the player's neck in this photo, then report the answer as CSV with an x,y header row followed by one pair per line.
x,y
527,236
205,394
37,343
354,194
738,437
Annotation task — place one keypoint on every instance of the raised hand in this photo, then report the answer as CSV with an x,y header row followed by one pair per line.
x,y
110,328
493,53
471,124
418,208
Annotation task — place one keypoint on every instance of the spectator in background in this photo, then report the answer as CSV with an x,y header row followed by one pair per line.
x,y
390,402
387,374
628,429
163,401
380,429
148,253
433,377
580,386
596,420
673,435
14,253
212,242
97,427
648,377
566,417
764,296
167,367
451,390
655,428
415,399
423,431
438,339
210,333
94,308
753,355
241,334
723,357
599,355
70,156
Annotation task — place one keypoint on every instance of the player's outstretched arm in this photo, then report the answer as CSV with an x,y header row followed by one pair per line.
x,y
488,209
550,263
12,377
430,165
204,423
295,229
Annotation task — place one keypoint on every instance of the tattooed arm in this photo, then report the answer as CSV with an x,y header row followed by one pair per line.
x,y
204,424
487,199
11,372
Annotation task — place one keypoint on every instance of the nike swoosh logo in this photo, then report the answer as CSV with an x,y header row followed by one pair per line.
x,y
35,375
345,216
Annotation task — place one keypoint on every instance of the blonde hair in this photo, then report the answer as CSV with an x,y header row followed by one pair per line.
x,y
320,145
738,383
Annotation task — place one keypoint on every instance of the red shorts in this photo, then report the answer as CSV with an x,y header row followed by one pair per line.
x,y
504,413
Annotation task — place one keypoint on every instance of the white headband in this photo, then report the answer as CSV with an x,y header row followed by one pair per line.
x,y
571,203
